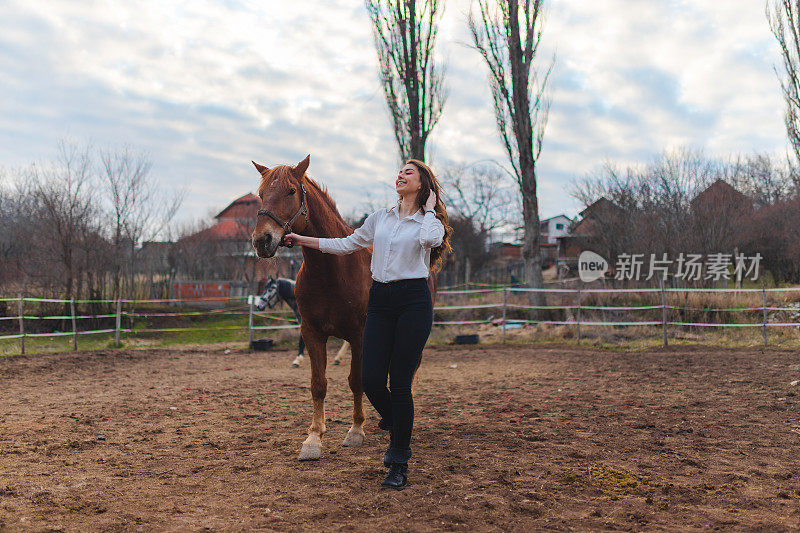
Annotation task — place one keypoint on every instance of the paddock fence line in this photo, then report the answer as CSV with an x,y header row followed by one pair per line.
x,y
665,308
504,307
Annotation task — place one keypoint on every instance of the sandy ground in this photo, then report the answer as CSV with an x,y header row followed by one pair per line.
x,y
514,438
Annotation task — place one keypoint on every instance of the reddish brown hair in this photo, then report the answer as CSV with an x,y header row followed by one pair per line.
x,y
429,183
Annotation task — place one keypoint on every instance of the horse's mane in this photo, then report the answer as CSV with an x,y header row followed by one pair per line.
x,y
318,194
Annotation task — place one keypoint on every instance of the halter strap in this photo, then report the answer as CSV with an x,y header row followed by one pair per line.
x,y
287,226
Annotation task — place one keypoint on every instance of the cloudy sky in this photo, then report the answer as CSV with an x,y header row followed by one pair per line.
x,y
205,86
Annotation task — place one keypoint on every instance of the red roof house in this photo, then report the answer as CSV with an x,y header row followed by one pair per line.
x,y
244,207
228,241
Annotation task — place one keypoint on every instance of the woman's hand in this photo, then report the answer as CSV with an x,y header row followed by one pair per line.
x,y
430,203
291,239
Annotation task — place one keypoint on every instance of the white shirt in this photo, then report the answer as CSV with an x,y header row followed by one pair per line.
x,y
401,249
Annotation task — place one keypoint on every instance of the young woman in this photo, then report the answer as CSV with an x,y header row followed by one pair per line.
x,y
408,241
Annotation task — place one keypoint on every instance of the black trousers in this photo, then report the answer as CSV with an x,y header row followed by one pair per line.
x,y
399,320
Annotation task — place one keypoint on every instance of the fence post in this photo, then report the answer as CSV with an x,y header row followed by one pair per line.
x,y
505,299
578,318
764,301
250,322
118,323
21,326
664,312
74,327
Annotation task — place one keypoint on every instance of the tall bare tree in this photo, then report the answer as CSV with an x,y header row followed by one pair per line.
x,y
507,33
784,22
405,35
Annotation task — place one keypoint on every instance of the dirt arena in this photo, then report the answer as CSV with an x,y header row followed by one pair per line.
x,y
514,438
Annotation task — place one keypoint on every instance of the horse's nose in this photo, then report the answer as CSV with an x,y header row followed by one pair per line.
x,y
264,240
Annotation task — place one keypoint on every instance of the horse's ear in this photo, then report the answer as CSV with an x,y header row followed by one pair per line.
x,y
261,168
301,167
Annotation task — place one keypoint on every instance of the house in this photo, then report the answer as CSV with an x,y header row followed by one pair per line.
x,y
721,196
600,209
716,209
506,252
550,229
581,232
223,251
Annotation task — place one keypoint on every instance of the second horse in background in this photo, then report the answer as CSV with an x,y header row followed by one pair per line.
x,y
282,289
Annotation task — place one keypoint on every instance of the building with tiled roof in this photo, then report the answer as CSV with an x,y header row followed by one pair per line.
x,y
227,249
244,207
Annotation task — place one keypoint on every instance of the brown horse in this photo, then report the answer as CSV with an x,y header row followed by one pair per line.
x,y
331,290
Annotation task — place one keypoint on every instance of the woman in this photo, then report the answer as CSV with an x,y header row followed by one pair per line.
x,y
408,241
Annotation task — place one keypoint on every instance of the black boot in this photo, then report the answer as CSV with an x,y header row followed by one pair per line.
x,y
384,425
397,477
395,455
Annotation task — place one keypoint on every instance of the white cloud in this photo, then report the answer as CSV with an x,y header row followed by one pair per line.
x,y
207,86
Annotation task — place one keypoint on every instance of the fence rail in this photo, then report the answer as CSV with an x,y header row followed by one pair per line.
x,y
502,305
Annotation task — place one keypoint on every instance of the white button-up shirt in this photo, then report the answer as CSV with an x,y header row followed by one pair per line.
x,y
401,249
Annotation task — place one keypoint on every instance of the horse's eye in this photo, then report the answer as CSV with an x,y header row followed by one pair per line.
x,y
291,192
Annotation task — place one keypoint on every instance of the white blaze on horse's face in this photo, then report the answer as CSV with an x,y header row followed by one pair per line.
x,y
408,180
280,195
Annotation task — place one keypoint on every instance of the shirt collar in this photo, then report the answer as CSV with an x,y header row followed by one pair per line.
x,y
419,216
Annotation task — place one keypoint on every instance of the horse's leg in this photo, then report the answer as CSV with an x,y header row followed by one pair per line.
x,y
343,350
355,435
312,446
300,345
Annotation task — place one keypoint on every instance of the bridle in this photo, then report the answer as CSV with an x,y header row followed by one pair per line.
x,y
287,226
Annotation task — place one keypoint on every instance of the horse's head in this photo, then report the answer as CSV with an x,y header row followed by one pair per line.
x,y
283,205
270,296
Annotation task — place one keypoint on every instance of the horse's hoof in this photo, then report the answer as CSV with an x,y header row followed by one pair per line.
x,y
354,437
336,362
312,448
310,452
295,365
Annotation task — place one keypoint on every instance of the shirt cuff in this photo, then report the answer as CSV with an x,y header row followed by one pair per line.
x,y
323,245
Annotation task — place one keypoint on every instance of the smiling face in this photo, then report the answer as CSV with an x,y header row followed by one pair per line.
x,y
280,194
408,181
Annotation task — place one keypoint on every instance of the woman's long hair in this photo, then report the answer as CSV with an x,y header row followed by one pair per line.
x,y
429,182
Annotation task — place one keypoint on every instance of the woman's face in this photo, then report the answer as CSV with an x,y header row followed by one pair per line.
x,y
408,180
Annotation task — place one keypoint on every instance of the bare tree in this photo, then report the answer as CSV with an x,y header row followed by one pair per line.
x,y
784,22
481,193
507,33
653,210
685,202
64,208
139,209
762,178
8,220
405,34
